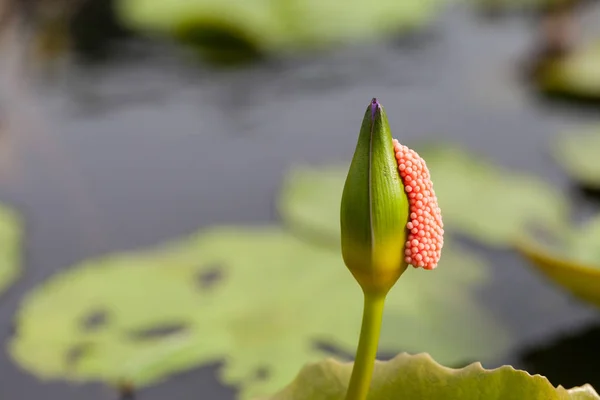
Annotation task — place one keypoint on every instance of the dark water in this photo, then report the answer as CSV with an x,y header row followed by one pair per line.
x,y
151,146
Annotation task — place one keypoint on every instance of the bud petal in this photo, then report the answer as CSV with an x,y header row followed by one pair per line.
x,y
375,208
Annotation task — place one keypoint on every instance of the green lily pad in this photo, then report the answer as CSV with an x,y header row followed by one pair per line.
x,y
576,75
489,203
10,247
217,29
420,377
577,153
478,199
258,299
309,201
515,5
268,25
569,257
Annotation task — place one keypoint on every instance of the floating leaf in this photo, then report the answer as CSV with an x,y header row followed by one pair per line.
x,y
268,25
571,258
420,377
477,199
489,203
514,5
220,30
259,299
309,201
10,247
577,153
576,75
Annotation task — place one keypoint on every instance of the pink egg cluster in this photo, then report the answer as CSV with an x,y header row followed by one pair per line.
x,y
425,228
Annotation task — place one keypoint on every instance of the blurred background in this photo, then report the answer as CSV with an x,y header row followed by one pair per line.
x,y
170,174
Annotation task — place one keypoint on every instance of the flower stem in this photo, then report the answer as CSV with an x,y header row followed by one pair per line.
x,y
360,381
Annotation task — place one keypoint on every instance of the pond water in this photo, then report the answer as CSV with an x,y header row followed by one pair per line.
x,y
150,146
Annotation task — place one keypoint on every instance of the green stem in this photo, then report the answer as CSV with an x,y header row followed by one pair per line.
x,y
360,381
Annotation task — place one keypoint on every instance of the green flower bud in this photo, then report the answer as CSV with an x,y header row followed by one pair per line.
x,y
375,208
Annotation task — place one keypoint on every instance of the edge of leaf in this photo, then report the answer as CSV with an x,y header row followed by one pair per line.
x,y
17,225
404,358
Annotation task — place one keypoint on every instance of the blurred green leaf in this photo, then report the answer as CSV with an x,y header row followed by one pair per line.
x,y
570,257
576,75
577,152
269,25
10,247
258,299
477,199
223,31
309,201
515,5
420,377
487,202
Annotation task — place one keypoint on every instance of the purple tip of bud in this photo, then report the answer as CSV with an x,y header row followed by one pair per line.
x,y
374,107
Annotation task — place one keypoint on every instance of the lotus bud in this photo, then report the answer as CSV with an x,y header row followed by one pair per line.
x,y
389,213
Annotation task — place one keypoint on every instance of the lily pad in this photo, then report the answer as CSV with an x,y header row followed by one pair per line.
x,y
575,75
577,153
309,201
478,199
487,202
268,25
515,5
569,257
258,299
420,377
218,30
10,247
